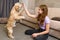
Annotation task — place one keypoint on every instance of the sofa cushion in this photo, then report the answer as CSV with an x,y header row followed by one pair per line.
x,y
56,18
55,24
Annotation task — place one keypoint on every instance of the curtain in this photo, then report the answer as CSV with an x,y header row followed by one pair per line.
x,y
5,7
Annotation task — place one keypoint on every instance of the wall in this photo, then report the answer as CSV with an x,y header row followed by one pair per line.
x,y
53,7
53,12
49,3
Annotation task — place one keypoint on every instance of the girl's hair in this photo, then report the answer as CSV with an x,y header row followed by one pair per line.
x,y
41,17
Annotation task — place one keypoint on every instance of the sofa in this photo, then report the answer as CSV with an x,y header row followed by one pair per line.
x,y
55,23
55,27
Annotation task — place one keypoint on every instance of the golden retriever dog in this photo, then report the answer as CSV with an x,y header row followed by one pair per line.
x,y
15,14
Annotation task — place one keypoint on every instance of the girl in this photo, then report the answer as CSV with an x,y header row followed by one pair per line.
x,y
43,22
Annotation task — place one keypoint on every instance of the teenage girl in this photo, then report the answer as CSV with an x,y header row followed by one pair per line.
x,y
43,23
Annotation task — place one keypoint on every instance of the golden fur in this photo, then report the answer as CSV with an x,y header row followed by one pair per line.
x,y
14,15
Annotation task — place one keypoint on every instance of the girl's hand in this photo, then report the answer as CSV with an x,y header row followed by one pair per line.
x,y
24,6
35,34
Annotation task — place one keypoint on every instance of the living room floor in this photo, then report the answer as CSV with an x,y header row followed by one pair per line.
x,y
18,33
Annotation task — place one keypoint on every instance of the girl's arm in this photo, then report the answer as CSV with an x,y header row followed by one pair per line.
x,y
42,33
30,15
46,31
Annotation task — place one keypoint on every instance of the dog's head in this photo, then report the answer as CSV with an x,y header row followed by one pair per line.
x,y
18,6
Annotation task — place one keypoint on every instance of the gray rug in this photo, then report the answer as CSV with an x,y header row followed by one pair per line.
x,y
18,33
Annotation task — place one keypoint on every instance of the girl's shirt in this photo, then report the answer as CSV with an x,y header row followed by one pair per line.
x,y
47,20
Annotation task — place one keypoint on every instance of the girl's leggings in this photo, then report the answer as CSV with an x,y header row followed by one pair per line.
x,y
40,37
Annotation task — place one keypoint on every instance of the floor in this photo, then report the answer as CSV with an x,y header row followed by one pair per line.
x,y
18,33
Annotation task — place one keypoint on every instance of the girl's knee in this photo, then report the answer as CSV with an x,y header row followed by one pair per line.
x,y
28,32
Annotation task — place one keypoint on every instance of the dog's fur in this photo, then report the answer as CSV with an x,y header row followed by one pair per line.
x,y
14,15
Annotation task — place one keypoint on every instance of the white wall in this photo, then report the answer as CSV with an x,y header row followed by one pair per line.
x,y
49,3
30,4
54,12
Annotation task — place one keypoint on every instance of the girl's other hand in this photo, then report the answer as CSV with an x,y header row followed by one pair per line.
x,y
35,34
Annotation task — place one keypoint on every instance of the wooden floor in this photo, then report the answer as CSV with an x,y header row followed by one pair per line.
x,y
18,33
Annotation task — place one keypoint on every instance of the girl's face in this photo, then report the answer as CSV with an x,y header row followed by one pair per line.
x,y
40,11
